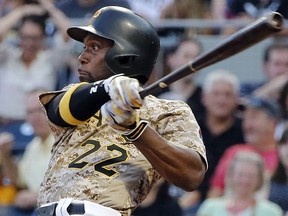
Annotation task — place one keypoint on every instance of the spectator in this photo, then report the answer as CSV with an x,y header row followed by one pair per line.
x,y
245,176
259,123
279,181
185,89
34,163
7,6
275,68
150,9
30,65
86,8
283,102
218,8
186,9
159,202
7,164
255,8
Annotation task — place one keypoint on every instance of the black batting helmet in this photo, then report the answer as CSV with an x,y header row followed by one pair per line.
x,y
136,43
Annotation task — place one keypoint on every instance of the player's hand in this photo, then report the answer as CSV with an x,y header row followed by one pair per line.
x,y
123,120
119,117
124,91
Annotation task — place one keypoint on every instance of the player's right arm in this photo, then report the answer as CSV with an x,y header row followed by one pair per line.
x,y
77,104
182,166
81,101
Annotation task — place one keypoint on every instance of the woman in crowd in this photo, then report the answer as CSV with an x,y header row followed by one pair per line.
x,y
244,178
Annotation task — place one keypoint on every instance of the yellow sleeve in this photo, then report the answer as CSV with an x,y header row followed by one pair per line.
x,y
64,106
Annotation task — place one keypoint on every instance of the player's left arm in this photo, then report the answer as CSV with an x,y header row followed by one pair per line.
x,y
82,100
177,163
77,104
181,166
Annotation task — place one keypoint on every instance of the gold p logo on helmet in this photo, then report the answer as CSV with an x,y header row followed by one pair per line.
x,y
97,13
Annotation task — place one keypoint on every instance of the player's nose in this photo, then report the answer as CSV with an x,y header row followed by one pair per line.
x,y
83,59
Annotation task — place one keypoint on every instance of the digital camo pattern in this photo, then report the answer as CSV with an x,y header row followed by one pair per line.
x,y
92,162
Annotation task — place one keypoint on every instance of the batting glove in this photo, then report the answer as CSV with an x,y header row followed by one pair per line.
x,y
123,120
124,91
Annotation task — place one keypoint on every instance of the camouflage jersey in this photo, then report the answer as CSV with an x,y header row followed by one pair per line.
x,y
92,162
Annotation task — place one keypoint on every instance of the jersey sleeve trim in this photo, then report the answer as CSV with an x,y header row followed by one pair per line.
x,y
64,106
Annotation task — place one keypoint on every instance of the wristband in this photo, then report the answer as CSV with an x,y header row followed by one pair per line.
x,y
136,132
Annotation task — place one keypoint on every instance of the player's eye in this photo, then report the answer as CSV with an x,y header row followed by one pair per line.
x,y
95,47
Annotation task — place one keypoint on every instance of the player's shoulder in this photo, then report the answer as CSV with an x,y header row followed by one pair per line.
x,y
165,104
45,97
157,109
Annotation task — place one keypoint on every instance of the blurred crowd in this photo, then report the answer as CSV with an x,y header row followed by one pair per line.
x,y
244,124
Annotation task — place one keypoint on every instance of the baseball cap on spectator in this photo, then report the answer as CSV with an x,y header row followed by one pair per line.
x,y
269,106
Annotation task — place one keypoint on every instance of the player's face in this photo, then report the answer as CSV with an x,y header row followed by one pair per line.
x,y
92,59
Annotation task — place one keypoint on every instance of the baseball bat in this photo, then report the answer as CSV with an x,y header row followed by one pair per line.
x,y
240,40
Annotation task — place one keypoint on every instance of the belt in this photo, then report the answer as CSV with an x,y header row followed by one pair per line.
x,y
50,210
69,206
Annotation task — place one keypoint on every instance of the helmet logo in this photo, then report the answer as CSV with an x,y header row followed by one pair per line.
x,y
97,13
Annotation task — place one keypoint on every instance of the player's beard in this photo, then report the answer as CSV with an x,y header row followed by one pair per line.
x,y
88,78
91,77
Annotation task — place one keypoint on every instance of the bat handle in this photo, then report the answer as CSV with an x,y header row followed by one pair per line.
x,y
143,93
151,88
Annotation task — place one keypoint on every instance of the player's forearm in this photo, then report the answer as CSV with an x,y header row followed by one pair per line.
x,y
76,105
180,166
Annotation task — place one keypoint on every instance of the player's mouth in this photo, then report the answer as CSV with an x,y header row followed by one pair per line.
x,y
82,72
83,75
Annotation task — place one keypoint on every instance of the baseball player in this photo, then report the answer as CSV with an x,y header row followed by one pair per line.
x,y
111,145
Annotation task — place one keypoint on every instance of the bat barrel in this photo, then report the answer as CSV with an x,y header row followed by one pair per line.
x,y
276,20
241,40
233,44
